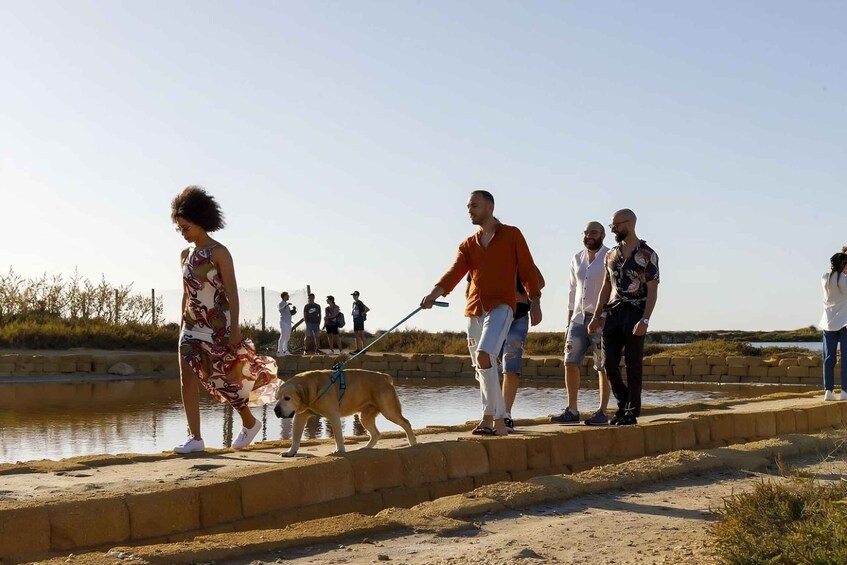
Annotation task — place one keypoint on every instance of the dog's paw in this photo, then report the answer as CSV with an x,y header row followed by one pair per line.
x,y
288,454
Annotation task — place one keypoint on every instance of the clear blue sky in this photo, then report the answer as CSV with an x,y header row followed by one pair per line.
x,y
342,139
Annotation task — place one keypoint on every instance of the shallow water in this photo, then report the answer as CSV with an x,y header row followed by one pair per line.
x,y
58,420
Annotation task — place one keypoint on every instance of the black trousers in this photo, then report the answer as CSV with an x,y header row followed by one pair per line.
x,y
617,340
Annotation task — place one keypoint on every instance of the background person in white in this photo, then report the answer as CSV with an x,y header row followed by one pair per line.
x,y
586,279
834,324
286,310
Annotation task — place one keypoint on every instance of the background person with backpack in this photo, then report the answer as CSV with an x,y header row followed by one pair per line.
x,y
360,314
333,319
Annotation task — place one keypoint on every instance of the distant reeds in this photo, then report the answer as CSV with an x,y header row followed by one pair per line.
x,y
53,297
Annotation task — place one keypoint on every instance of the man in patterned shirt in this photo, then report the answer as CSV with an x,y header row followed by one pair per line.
x,y
632,282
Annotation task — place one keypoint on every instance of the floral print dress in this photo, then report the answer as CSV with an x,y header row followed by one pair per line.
x,y
235,375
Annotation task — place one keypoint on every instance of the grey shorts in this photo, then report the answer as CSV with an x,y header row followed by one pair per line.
x,y
579,342
313,329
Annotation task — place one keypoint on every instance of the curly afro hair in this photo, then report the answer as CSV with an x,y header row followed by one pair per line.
x,y
198,207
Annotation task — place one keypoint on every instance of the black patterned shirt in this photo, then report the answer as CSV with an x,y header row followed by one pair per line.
x,y
630,277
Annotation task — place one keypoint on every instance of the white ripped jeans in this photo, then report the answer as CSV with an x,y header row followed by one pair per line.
x,y
487,333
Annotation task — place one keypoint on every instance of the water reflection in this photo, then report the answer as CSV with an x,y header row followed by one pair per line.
x,y
58,420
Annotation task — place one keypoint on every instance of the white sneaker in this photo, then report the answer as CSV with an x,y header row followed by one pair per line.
x,y
842,395
829,395
246,436
191,445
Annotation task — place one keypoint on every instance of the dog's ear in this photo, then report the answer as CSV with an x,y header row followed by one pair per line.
x,y
300,391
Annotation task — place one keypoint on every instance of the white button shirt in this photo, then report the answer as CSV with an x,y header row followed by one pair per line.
x,y
834,302
586,280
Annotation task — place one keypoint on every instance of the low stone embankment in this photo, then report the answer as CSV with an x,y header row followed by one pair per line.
x,y
266,496
797,370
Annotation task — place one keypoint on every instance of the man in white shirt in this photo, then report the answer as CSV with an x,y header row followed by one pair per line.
x,y
586,278
286,310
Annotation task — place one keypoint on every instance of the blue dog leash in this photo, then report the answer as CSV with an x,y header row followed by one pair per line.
x,y
338,368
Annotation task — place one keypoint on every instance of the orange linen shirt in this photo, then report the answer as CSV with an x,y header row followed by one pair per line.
x,y
493,270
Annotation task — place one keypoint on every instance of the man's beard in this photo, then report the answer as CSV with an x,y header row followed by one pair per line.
x,y
593,246
621,235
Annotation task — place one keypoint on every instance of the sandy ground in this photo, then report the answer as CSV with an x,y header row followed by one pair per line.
x,y
662,523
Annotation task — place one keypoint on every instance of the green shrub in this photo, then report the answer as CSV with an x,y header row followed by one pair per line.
x,y
706,347
800,521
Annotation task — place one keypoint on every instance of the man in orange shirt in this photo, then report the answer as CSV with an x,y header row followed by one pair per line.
x,y
492,256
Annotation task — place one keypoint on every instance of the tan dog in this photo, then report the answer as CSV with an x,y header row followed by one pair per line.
x,y
368,394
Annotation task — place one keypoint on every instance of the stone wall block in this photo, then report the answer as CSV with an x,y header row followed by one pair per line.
x,y
759,373
797,371
24,532
451,487
681,370
464,458
423,464
505,454
322,479
833,414
538,452
404,497
766,424
801,420
808,361
220,503
736,361
721,427
658,437
599,443
163,512
89,523
628,442
777,372
269,491
744,426
684,435
785,422
364,502
491,478
817,418
738,371
567,448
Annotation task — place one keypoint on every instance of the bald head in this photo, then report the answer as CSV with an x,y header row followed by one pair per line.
x,y
623,224
624,215
593,235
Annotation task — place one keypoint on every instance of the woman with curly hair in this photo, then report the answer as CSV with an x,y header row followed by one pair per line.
x,y
211,348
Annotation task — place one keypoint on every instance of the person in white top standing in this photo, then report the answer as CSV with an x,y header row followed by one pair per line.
x,y
286,310
834,324
586,278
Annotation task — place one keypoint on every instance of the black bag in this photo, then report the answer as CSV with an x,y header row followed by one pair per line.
x,y
339,320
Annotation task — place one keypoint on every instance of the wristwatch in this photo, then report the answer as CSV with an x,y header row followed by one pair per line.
x,y
645,321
